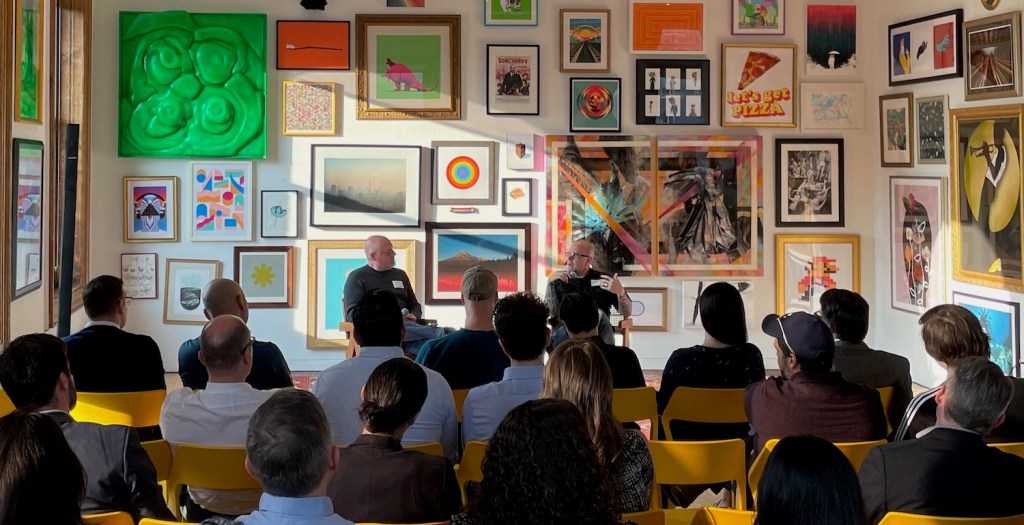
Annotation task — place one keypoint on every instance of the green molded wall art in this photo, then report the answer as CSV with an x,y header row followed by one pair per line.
x,y
192,85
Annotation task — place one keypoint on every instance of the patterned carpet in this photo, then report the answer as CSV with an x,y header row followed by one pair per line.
x,y
305,380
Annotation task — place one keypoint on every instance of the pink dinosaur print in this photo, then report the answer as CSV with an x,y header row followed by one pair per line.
x,y
403,77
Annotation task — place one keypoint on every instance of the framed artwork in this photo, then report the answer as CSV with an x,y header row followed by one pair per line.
x,y
1001,322
665,27
314,44
510,12
517,197
33,267
309,108
918,252
831,49
896,118
513,80
927,48
993,52
150,209
222,195
650,309
985,178
931,129
407,3
990,4
184,280
809,182
583,40
807,265
831,107
759,85
595,104
759,17
672,92
266,274
465,172
503,248
330,262
691,302
520,153
409,67
28,50
342,195
139,276
27,218
279,214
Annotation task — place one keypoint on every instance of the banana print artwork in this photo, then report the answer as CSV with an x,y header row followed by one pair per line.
x,y
992,159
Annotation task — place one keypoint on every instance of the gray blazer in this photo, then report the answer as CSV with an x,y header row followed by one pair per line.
x,y
860,364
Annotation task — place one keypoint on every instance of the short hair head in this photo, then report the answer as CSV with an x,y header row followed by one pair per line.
x,y
289,444
722,314
579,312
221,297
846,313
952,332
393,395
30,368
521,323
101,295
377,319
223,342
802,335
977,393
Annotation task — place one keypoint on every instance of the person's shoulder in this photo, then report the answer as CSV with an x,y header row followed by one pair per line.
x,y
266,348
892,360
633,440
189,346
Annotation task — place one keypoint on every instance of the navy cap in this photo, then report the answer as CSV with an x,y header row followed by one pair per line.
x,y
805,334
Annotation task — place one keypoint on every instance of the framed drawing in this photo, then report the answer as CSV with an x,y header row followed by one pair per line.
x,y
27,219
931,129
266,275
517,197
666,27
691,302
510,12
465,172
759,17
650,309
184,280
583,40
342,195
993,52
595,104
309,108
503,248
831,49
150,209
513,80
807,265
314,44
759,85
222,195
1001,322
896,136
279,214
673,92
139,275
330,262
520,153
918,252
927,48
28,52
831,107
985,178
409,67
809,182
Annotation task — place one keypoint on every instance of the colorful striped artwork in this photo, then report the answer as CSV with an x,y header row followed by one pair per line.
x,y
221,195
407,3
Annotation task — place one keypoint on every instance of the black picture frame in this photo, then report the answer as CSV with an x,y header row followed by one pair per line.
x,y
20,238
806,155
505,212
493,86
658,90
607,118
908,36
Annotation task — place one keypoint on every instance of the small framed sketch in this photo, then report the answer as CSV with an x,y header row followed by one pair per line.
x,y
595,104
465,172
309,108
513,80
650,309
1001,322
759,17
520,153
918,250
265,274
666,26
138,273
932,129
673,92
313,44
927,48
583,40
896,118
184,280
510,12
807,265
993,49
279,214
831,106
221,204
517,197
150,209
809,182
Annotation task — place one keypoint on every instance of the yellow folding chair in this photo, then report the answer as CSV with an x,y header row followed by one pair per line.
x,y
432,448
902,518
216,468
1017,449
704,405
471,466
636,404
159,453
719,516
647,517
6,406
151,521
698,463
460,399
885,393
855,452
133,409
108,518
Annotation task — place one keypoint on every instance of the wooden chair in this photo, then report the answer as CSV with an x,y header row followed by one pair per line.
x,y
217,468
151,521
353,347
704,405
698,463
636,404
108,518
432,448
623,328
855,452
1017,449
902,518
133,409
460,399
6,406
718,516
471,466
885,393
159,453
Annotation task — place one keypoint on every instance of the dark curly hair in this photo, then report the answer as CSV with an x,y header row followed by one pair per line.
x,y
393,395
521,322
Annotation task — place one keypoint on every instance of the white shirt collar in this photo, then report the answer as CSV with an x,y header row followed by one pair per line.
x,y
102,323
928,430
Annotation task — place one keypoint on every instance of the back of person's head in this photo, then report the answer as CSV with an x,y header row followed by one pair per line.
x,y
288,446
30,368
722,314
101,295
521,323
976,394
223,296
579,312
41,480
846,313
479,284
541,468
808,481
393,395
952,332
377,319
223,342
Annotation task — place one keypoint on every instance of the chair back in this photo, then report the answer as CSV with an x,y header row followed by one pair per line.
x,y
6,405
159,453
885,393
902,518
471,466
133,409
647,517
432,448
636,404
217,468
719,516
151,521
698,463
1017,449
108,518
855,452
704,405
460,399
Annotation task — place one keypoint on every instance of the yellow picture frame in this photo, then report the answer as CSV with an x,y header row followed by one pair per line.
x,y
304,105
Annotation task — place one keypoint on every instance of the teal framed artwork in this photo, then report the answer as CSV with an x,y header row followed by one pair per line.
x,y
595,104
28,42
510,12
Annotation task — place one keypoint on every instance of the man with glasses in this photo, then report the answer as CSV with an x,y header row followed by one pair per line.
x,y
579,276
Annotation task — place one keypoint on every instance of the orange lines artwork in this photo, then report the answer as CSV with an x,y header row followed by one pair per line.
x,y
660,27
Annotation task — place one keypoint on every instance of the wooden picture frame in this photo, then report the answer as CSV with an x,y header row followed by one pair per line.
x,y
1001,322
759,17
519,13
184,280
896,133
938,37
339,187
221,201
743,99
28,45
993,57
503,248
918,252
809,183
140,275
807,265
650,308
932,129
27,207
150,209
314,44
666,26
309,108
513,80
583,40
465,173
595,105
279,214
266,275
517,197
831,106
662,85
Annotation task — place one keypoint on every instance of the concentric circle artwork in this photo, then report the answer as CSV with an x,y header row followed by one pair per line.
x,y
595,101
463,172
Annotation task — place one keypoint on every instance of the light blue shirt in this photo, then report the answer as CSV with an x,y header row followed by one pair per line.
x,y
338,389
276,510
486,405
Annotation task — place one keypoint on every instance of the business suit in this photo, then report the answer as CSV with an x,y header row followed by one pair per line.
x,y
105,358
860,364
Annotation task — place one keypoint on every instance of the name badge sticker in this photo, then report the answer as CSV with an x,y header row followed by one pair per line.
x,y
595,282
397,284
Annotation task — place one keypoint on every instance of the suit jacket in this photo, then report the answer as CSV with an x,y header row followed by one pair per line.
x,y
119,475
946,472
269,368
860,364
108,359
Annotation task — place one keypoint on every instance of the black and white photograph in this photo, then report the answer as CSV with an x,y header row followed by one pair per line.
x,y
672,92
693,80
809,182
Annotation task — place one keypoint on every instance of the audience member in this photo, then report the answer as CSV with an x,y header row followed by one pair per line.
x,y
809,398
949,470
269,368
378,329
578,372
579,276
34,373
579,313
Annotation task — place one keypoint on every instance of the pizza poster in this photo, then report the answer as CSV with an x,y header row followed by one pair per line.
x,y
759,85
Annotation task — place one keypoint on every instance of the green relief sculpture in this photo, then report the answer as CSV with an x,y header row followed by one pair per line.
x,y
29,87
193,85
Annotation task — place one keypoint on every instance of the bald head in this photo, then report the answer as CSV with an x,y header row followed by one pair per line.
x,y
222,344
225,297
580,257
380,253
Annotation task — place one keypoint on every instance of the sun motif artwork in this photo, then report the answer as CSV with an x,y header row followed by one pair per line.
x,y
263,276
463,172
595,101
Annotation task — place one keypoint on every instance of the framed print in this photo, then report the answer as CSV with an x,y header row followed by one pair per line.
x,y
759,17
314,44
407,3
691,302
918,252
650,309
330,262
139,276
279,214
309,108
583,40
517,197
831,107
510,12
184,280
222,195
673,92
807,265
409,67
150,209
896,118
927,48
986,206
809,182
993,54
503,248
1001,322
28,52
595,104
520,153
668,26
266,274
831,49
931,129
27,216
759,85
465,172
342,195
513,80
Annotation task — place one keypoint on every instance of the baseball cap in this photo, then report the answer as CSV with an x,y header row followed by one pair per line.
x,y
803,333
479,284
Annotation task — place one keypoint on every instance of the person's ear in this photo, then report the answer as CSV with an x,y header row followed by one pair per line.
x,y
940,395
362,393
202,358
335,456
504,350
547,338
403,332
206,312
240,302
791,360
248,467
247,355
999,420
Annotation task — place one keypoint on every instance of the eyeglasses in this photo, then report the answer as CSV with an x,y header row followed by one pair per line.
x,y
252,340
389,252
574,255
